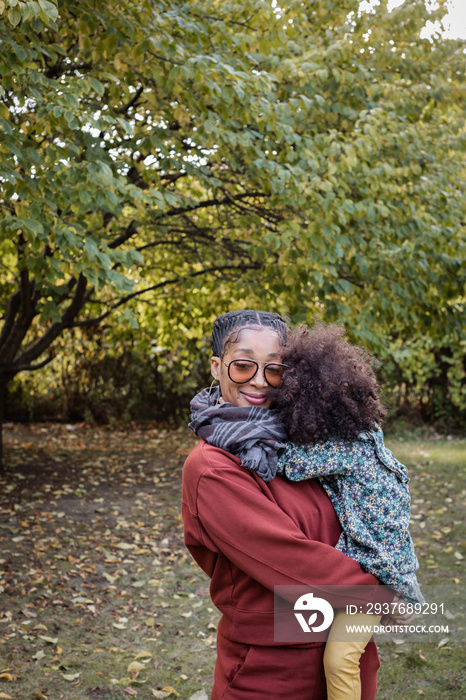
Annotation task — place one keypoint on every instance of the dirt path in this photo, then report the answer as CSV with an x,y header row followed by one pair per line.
x,y
98,595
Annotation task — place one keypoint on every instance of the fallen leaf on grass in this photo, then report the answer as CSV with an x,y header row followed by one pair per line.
x,y
6,677
71,676
143,655
134,667
4,696
165,692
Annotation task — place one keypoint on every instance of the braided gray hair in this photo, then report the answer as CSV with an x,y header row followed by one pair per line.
x,y
232,321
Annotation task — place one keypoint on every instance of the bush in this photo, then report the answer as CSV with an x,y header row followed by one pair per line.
x,y
98,378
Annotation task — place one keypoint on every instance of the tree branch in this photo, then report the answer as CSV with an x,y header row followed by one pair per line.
x,y
31,368
12,309
164,59
210,203
128,233
37,348
222,19
19,323
159,285
133,100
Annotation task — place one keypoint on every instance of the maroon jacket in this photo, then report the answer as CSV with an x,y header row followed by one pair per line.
x,y
248,536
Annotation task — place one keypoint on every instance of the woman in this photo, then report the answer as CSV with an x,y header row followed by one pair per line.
x,y
250,532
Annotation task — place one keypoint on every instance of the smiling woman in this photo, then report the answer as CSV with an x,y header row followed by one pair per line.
x,y
251,530
249,366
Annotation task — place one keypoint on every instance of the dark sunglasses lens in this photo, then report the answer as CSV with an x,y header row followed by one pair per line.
x,y
241,371
274,374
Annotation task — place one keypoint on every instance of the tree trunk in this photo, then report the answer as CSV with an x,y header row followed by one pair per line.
x,y
3,386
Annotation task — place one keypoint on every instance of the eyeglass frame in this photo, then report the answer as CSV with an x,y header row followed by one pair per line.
x,y
246,359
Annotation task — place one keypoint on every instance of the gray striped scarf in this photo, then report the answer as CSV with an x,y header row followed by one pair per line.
x,y
254,434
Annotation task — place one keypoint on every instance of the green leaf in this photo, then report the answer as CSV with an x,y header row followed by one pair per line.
x,y
32,225
14,15
49,8
97,85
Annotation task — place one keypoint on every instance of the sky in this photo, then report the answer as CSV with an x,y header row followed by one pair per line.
x,y
455,22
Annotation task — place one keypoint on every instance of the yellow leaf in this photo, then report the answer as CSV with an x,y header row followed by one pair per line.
x,y
166,692
4,696
143,655
6,677
119,65
135,667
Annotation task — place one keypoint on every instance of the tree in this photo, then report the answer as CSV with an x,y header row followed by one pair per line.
x,y
311,154
113,120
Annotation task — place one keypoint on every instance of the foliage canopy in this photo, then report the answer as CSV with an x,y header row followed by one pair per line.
x,y
164,161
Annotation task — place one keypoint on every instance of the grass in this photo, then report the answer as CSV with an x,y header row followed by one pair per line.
x,y
436,469
99,599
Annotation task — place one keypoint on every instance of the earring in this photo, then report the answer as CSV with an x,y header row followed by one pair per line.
x,y
210,392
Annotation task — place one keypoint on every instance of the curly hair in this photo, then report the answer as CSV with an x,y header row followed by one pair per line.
x,y
329,389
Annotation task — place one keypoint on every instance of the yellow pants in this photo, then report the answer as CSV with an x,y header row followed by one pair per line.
x,y
342,654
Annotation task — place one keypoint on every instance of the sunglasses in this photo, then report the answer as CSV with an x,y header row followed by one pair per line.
x,y
242,371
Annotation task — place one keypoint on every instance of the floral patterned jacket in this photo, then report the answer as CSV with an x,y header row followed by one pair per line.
x,y
368,488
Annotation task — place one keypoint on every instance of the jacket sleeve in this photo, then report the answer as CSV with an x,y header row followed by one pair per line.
x,y
257,536
301,462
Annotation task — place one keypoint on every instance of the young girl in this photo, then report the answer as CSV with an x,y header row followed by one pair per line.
x,y
330,408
